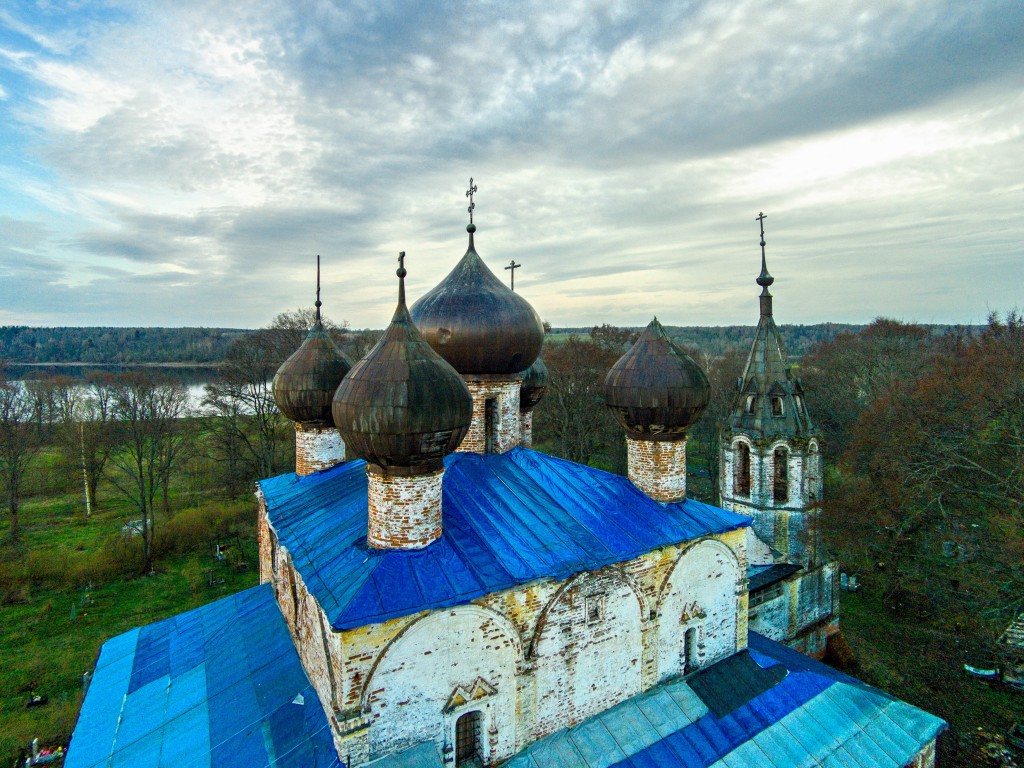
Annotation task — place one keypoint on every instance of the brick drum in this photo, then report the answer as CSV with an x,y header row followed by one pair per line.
x,y
405,511
658,468
318,446
506,426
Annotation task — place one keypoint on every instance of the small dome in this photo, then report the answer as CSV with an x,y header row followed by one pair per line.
x,y
535,381
656,390
476,323
402,405
305,383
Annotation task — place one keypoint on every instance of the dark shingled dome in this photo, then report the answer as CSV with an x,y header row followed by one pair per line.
x,y
402,406
476,323
305,383
655,390
535,381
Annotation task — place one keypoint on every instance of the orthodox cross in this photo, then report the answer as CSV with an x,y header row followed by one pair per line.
x,y
513,266
469,193
760,218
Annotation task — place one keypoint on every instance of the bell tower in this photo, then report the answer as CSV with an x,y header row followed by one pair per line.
x,y
770,454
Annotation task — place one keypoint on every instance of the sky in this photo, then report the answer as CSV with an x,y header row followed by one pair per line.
x,y
182,163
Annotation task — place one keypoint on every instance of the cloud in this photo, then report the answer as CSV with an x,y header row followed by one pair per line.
x,y
188,160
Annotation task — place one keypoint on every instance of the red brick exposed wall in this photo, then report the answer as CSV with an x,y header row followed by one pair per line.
x,y
658,468
405,511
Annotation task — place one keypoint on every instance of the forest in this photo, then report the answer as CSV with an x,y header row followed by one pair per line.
x,y
121,506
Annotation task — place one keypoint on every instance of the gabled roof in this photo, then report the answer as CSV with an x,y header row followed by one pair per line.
x,y
218,686
794,712
509,519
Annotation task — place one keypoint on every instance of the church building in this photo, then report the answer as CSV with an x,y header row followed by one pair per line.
x,y
436,593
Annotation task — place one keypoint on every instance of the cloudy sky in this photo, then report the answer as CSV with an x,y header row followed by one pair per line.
x,y
182,163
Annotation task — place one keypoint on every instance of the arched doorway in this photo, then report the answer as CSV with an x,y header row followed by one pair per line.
x,y
467,739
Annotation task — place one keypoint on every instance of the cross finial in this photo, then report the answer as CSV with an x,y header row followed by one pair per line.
x,y
513,267
401,277
318,303
469,193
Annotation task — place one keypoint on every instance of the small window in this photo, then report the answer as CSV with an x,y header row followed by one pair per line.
x,y
780,486
741,477
764,595
776,406
595,608
490,424
690,657
751,400
467,739
799,403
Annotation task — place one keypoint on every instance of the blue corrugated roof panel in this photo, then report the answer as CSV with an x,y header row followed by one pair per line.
x,y
219,686
812,716
509,519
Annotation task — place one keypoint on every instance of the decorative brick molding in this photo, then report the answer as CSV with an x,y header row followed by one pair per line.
x,y
318,446
405,510
658,468
505,430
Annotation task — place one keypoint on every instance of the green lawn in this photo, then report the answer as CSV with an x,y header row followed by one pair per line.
x,y
54,623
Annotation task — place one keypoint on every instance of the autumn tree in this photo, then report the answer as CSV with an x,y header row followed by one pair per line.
x,y
572,418
252,439
930,485
151,433
19,443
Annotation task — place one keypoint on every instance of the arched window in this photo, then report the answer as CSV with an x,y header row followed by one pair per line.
x,y
467,739
777,409
741,478
751,399
780,484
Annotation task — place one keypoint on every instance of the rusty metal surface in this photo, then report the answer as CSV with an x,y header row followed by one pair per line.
x,y
535,382
476,323
655,390
402,406
305,383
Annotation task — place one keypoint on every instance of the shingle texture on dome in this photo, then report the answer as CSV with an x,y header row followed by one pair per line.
x,y
656,390
402,405
477,323
305,383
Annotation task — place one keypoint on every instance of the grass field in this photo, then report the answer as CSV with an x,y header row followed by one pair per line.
x,y
70,584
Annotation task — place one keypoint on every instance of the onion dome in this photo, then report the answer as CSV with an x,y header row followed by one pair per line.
x,y
655,390
475,322
305,383
535,381
402,406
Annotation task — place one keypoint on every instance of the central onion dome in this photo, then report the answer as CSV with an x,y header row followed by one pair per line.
x,y
476,323
305,383
402,406
655,390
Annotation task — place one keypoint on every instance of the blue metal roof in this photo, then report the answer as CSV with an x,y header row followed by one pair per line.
x,y
811,716
219,686
509,519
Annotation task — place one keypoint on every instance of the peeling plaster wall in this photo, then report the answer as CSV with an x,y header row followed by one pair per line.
x,y
704,592
317,447
588,651
410,697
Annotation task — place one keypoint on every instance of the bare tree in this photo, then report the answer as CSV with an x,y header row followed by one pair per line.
x,y
19,443
152,432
